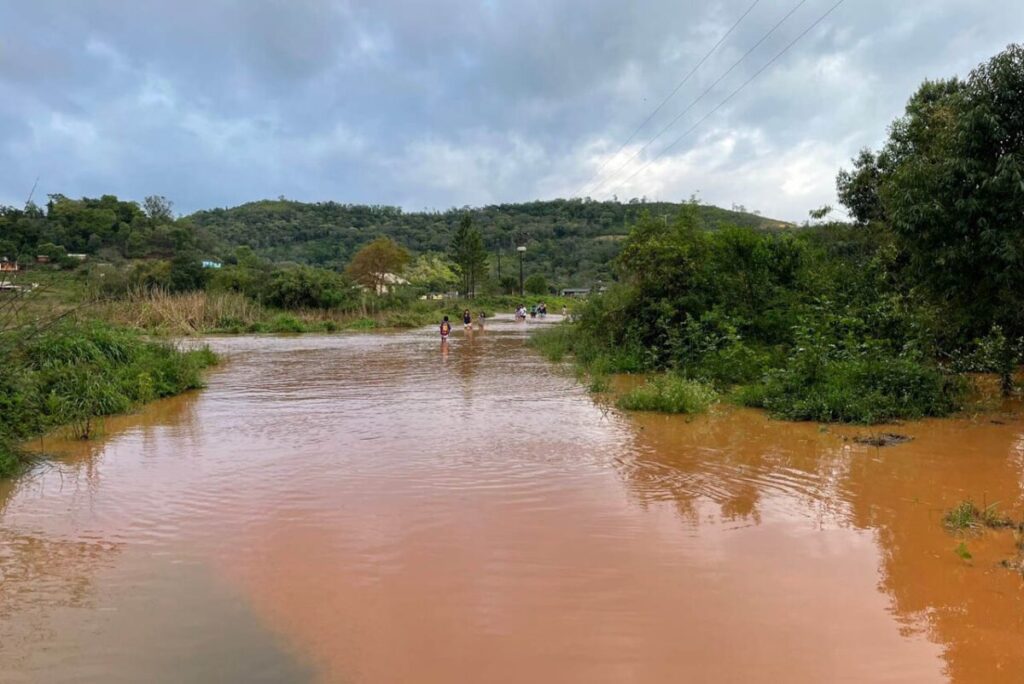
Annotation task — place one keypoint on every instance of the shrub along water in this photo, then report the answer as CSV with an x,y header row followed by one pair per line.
x,y
811,326
74,373
670,394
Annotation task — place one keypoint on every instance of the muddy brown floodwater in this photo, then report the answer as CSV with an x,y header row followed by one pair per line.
x,y
366,508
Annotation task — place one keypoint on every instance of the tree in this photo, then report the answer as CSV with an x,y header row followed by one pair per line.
x,y
299,287
858,189
536,284
158,208
186,273
509,285
372,264
468,252
432,272
951,185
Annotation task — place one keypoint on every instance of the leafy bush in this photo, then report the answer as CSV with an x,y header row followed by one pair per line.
x,y
711,350
286,324
536,284
299,287
9,461
670,394
873,388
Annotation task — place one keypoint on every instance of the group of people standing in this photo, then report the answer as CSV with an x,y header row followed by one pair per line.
x,y
540,309
535,310
467,323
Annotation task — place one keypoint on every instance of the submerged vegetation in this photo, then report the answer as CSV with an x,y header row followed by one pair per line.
x,y
967,517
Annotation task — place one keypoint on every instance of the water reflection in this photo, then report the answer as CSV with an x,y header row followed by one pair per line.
x,y
737,466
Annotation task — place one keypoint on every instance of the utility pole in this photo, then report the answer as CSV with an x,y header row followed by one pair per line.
x,y
521,249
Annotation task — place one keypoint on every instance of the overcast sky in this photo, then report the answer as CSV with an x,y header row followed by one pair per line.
x,y
440,103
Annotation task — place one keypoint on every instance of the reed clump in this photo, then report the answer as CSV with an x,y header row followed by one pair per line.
x,y
184,313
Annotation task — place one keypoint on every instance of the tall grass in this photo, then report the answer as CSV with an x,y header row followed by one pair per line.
x,y
184,313
555,343
189,313
74,373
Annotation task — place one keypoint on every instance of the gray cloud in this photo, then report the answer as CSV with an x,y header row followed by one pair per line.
x,y
454,102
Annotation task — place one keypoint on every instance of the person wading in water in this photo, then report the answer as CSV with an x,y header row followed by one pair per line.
x,y
446,329
467,319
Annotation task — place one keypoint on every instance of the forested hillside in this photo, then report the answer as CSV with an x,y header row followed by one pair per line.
x,y
571,242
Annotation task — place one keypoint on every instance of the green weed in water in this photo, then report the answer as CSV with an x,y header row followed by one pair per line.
x,y
967,517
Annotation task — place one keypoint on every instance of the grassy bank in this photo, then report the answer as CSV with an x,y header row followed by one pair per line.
x,y
76,372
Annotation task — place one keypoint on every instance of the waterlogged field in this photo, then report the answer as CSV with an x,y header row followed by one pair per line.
x,y
377,508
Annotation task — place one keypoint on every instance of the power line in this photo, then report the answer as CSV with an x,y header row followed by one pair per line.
x,y
700,97
733,93
670,95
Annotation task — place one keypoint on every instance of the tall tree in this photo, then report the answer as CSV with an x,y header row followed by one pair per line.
x,y
371,265
158,208
950,183
469,255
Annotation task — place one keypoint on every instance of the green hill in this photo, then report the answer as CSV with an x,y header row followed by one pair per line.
x,y
571,242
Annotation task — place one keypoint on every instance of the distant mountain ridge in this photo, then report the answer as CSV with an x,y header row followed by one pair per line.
x,y
571,242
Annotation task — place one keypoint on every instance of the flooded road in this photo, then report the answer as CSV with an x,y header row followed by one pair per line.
x,y
366,508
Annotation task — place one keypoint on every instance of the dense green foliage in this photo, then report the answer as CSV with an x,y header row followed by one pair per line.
x,y
73,373
288,255
812,325
950,184
107,227
536,285
571,242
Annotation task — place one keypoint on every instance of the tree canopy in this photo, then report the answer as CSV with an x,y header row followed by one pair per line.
x,y
950,183
373,263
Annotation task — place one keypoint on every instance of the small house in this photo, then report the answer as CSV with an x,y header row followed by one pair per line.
x,y
42,259
78,256
576,292
8,266
211,263
388,282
